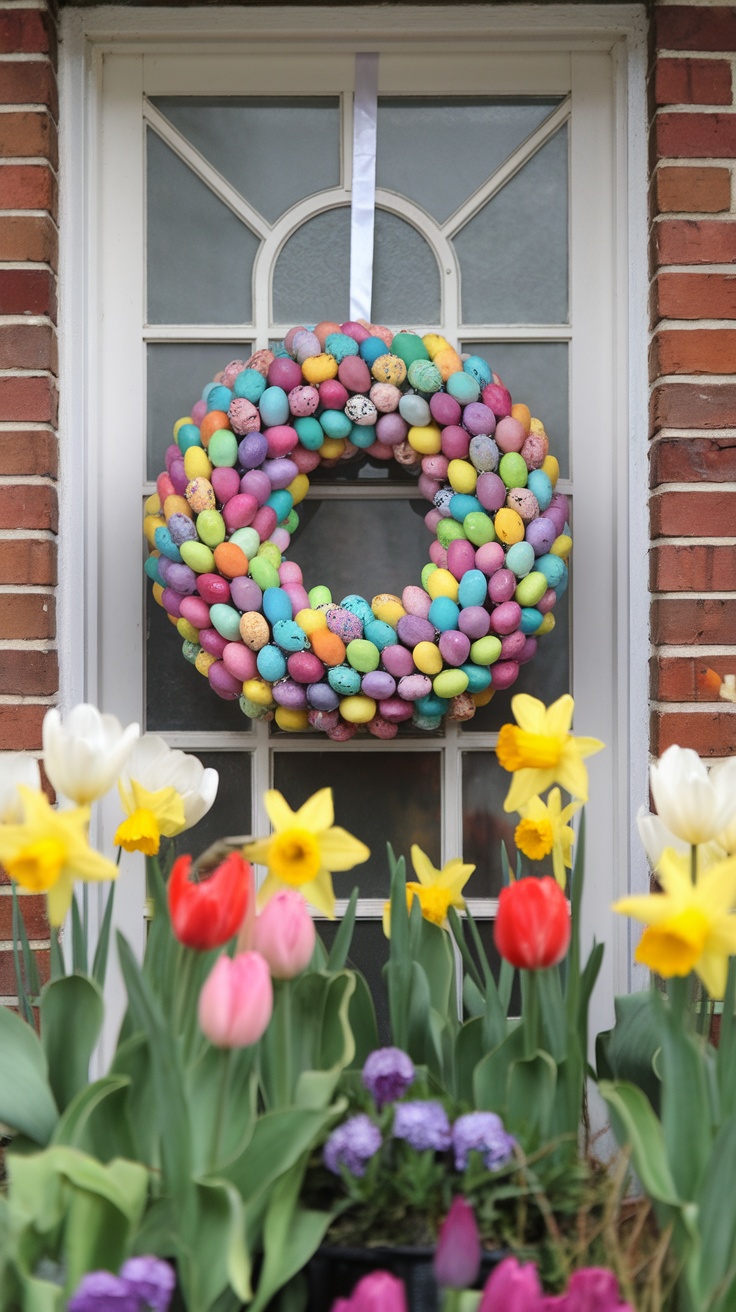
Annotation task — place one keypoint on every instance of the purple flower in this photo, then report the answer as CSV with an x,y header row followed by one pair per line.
x,y
387,1074
423,1125
151,1279
101,1291
352,1144
484,1133
457,1255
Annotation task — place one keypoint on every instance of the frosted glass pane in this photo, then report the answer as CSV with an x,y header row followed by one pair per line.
x,y
547,677
199,255
361,546
485,824
176,374
537,374
438,152
311,280
273,151
406,277
513,253
178,697
381,797
230,813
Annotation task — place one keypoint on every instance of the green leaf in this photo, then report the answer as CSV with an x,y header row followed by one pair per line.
x,y
279,1140
437,959
132,1063
26,1101
635,1123
531,1094
685,1103
362,1020
97,1121
715,1220
79,938
726,1060
27,982
470,1049
72,1012
456,929
291,1235
491,1080
99,966
633,1043
399,970
212,1251
341,946
554,1032
58,967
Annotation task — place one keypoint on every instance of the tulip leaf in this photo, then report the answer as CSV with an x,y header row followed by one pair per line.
x,y
470,1049
26,1101
473,1000
715,1221
491,1079
424,1044
27,983
338,954
552,1013
726,1062
456,929
630,1047
279,1140
79,937
132,1061
436,957
96,1121
531,1094
72,1012
362,1021
291,1235
398,970
235,1128
99,966
685,1101
635,1123
212,1253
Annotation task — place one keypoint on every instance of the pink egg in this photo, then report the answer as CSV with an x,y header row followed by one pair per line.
x,y
454,647
196,611
357,331
290,572
240,661
428,486
342,732
282,439
231,371
199,410
256,484
240,511
547,602
324,720
289,338
435,466
281,537
381,451
432,519
504,674
224,683
284,372
444,408
491,492
381,728
395,709
416,601
501,588
213,588
455,442
475,621
385,397
354,374
303,400
244,416
305,667
397,660
438,555
414,686
298,597
529,651
265,521
179,477
506,617
489,558
305,460
460,557
226,482
164,487
512,645
510,434
212,642
332,394
391,429
498,399
247,595
172,453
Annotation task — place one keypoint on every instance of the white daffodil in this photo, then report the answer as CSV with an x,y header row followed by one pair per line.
x,y
723,777
16,768
84,754
163,791
695,806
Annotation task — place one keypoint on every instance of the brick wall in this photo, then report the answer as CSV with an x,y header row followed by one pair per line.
x,y
693,375
28,393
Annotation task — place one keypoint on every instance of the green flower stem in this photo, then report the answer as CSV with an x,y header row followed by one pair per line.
x,y
284,1066
223,1094
694,862
530,1011
451,1300
186,978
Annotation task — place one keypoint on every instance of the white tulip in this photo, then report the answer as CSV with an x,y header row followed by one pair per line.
x,y
154,765
724,779
695,806
84,755
16,768
656,839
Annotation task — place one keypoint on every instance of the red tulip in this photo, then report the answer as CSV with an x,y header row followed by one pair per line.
x,y
208,914
532,928
457,1255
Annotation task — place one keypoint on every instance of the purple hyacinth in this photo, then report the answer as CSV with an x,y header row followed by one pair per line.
x,y
152,1279
484,1133
387,1074
101,1291
422,1125
352,1144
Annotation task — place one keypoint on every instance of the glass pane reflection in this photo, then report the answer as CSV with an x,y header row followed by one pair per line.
x,y
485,824
361,546
368,954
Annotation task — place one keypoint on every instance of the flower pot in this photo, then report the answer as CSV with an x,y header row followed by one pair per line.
x,y
334,1271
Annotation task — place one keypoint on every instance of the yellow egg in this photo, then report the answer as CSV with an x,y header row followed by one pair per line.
x,y
180,424
158,593
448,362
551,467
203,661
291,721
270,552
332,448
562,546
176,505
311,620
523,414
150,524
427,658
462,476
547,625
318,368
258,691
197,463
509,526
483,697
187,630
425,438
388,608
358,709
441,583
152,505
298,488
536,426
434,343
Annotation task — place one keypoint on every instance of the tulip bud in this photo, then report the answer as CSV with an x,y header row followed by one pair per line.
x,y
594,1289
205,915
513,1287
457,1255
285,934
236,1001
532,928
379,1292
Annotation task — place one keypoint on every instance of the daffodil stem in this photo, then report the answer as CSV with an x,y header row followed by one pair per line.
x,y
694,862
223,1090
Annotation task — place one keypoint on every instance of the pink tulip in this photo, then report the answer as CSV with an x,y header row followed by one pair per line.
x,y
513,1287
284,934
236,1001
457,1255
593,1289
379,1292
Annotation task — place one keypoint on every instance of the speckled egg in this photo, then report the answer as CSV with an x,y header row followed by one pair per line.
x,y
535,449
361,411
389,369
524,503
342,622
483,453
254,630
424,376
201,495
243,415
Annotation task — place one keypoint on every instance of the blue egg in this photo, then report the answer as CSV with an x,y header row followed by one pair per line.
x,y
208,387
479,676
380,634
461,504
289,636
310,431
280,351
358,606
187,436
479,369
250,385
561,587
463,387
540,484
165,544
282,502
322,697
340,345
271,663
444,614
371,348
473,588
344,679
520,559
334,423
274,407
219,398
427,722
431,705
531,618
553,568
362,436
276,605
151,568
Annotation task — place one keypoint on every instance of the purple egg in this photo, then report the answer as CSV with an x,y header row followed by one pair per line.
x,y
460,557
322,697
444,408
528,652
478,418
256,484
213,588
252,450
512,644
344,623
298,597
491,491
395,709
179,577
414,686
506,617
504,674
214,643
171,602
290,694
245,593
280,472
412,629
454,647
178,476
181,529
502,586
172,453
475,621
378,684
540,535
397,660
224,683
391,429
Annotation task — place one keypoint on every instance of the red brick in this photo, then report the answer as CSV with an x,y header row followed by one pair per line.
x,y
27,291
692,568
28,673
709,733
695,296
688,621
692,82
29,451
20,727
7,971
28,560
28,505
695,27
28,134
28,346
27,187
690,678
693,351
27,32
31,237
693,460
695,241
27,615
33,911
691,189
30,398
695,136
693,514
30,83
693,405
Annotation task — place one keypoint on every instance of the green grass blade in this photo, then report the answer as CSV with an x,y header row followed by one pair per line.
x,y
26,974
99,965
344,936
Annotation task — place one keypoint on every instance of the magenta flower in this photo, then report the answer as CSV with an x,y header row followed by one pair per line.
x,y
592,1289
513,1287
457,1255
378,1292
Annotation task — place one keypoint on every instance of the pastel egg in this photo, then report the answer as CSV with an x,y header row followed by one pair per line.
x,y
381,728
524,503
409,347
454,647
463,477
395,709
211,527
362,655
216,645
343,622
509,526
340,345
254,630
289,636
246,593
473,587
258,691
357,709
512,644
389,368
230,560
540,484
475,621
250,384
460,557
541,534
226,619
455,442
463,388
502,586
450,683
520,558
385,397
447,361
271,663
478,418
483,453
547,625
240,661
200,495
497,398
354,374
181,529
197,463
412,629
378,684
414,686
486,650
447,531
510,435
243,415
303,400
491,491
531,589
284,373
223,447
371,348
267,577
513,470
397,660
387,607
318,368
198,557
424,376
328,646
551,467
291,719
479,369
380,634
535,449
204,659
323,698
344,679
427,658
479,528
290,694
506,617
445,409
553,567
252,450
478,677
425,438
531,620
444,613
223,683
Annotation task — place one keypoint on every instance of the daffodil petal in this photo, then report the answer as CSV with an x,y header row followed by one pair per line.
x,y
455,875
423,868
268,888
559,715
722,936
320,893
651,910
341,851
558,865
717,885
530,714
524,784
588,746
317,813
278,810
386,919
572,774
86,863
59,899
673,872
712,968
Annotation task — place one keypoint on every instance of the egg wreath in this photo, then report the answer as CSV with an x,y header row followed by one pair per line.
x,y
220,523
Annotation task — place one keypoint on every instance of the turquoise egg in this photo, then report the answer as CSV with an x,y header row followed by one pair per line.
x,y
409,347
250,384
276,605
553,568
282,502
380,634
425,376
274,407
340,345
530,619
427,722
473,588
289,636
358,606
151,568
362,436
187,436
520,559
479,676
226,619
165,544
444,614
344,680
479,369
540,484
461,504
463,387
371,348
334,423
219,398
431,705
310,432
271,663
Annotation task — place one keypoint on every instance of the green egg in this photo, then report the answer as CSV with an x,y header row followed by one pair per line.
x,y
311,433
198,557
531,589
409,348
248,541
463,387
226,619
190,650
429,568
211,527
270,552
485,650
291,523
450,683
513,470
448,530
331,423
223,448
363,655
319,596
263,573
479,528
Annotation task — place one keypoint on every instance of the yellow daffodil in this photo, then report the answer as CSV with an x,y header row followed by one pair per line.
x,y
304,850
149,816
689,925
541,751
49,850
436,891
544,828
163,792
